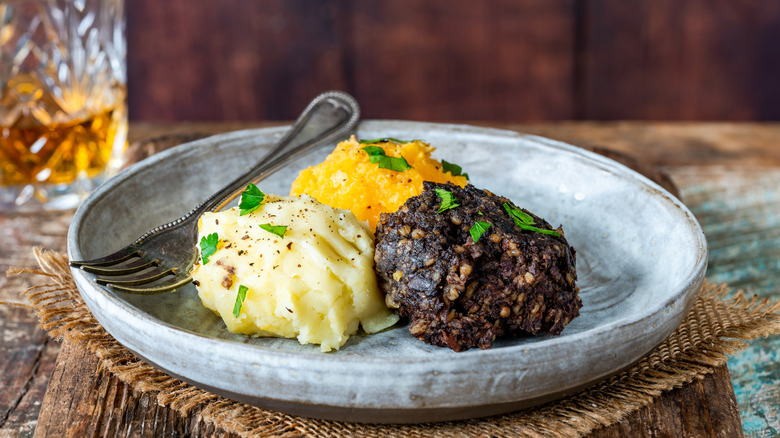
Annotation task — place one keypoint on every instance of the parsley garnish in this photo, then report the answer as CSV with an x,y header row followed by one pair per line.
x,y
525,221
453,169
386,140
275,229
377,155
374,151
448,201
478,229
240,297
208,246
251,199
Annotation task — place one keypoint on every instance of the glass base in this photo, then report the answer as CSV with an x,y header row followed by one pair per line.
x,y
32,198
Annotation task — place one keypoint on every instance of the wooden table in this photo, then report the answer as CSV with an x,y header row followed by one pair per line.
x,y
728,174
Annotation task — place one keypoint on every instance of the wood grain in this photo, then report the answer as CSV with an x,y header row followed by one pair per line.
x,y
739,210
705,408
510,60
85,401
441,59
462,60
233,59
103,405
672,60
697,156
661,144
26,354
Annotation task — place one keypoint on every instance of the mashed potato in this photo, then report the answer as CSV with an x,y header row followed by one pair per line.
x,y
348,179
315,283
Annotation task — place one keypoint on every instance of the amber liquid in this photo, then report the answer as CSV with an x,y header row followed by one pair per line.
x,y
59,154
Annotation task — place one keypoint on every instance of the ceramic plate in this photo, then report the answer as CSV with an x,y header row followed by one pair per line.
x,y
641,257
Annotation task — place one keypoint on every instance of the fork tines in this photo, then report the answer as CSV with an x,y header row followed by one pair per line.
x,y
115,271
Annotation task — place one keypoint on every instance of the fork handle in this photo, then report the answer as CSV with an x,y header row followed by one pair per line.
x,y
330,116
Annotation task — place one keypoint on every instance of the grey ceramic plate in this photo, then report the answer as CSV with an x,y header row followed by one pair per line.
x,y
641,257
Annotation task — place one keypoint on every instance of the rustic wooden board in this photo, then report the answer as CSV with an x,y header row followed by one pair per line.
x,y
445,59
440,59
26,354
672,60
519,60
661,144
670,145
705,408
85,401
89,397
739,209
724,146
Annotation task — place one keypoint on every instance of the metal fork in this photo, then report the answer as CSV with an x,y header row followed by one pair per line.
x,y
160,260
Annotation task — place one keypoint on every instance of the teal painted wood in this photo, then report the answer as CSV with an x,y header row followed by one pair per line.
x,y
739,210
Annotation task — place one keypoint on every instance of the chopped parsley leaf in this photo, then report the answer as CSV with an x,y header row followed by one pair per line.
x,y
478,229
453,169
448,201
240,297
251,199
374,150
525,221
377,155
275,229
208,246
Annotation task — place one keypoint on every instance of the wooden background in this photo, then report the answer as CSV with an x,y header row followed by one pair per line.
x,y
512,60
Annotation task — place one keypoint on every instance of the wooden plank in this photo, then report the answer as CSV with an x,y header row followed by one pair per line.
x,y
463,60
26,354
664,144
442,59
672,60
26,361
734,145
519,60
673,144
95,402
739,210
85,401
232,59
705,408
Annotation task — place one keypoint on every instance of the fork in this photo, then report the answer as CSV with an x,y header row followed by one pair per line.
x,y
161,259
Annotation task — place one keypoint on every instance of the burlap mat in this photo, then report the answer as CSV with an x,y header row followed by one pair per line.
x,y
719,324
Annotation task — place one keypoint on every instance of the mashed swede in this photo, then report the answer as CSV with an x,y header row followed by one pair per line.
x,y
316,283
347,178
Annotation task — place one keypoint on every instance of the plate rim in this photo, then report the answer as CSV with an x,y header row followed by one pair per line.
x,y
687,286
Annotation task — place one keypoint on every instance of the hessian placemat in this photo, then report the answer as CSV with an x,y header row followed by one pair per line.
x,y
720,323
